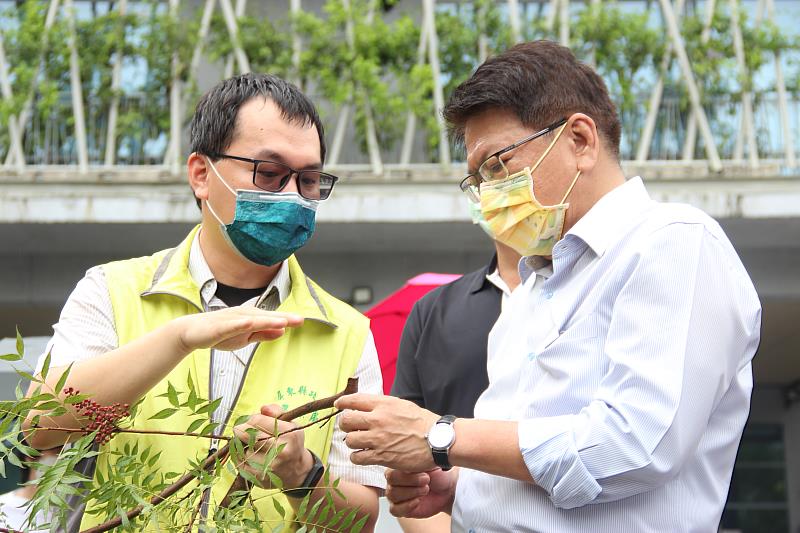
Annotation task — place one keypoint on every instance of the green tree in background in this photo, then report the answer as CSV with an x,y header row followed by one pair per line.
x,y
374,66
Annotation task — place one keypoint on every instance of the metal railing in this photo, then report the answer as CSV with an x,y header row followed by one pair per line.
x,y
51,140
744,131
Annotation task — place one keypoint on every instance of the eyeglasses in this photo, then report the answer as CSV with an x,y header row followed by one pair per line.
x,y
273,177
493,167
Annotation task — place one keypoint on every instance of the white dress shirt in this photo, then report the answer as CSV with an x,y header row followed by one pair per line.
x,y
86,329
495,279
627,364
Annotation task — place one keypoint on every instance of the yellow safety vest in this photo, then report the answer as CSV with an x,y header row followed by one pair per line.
x,y
309,362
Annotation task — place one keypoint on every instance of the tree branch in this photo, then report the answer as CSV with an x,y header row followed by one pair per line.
x,y
221,455
240,483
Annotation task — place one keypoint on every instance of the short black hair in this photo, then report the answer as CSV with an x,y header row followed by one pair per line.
x,y
213,125
540,82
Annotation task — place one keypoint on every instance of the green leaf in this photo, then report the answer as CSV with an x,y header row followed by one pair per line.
x,y
172,394
360,524
247,476
192,400
301,510
29,377
75,398
20,345
275,480
63,379
279,507
46,366
314,508
351,515
47,406
210,407
189,382
209,429
10,357
14,460
195,425
164,413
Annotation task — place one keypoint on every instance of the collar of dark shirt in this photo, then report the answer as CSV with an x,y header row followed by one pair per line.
x,y
480,282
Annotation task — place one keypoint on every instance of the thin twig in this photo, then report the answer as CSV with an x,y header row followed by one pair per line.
x,y
135,431
196,511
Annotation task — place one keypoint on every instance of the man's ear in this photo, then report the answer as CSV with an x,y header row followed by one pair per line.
x,y
198,170
585,141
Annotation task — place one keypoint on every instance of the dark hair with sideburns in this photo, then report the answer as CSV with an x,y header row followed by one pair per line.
x,y
540,82
214,122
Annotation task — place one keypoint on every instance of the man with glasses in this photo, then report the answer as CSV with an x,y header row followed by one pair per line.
x,y
230,309
620,372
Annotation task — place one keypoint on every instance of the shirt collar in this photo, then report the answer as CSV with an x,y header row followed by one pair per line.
x,y
481,281
495,279
603,223
534,264
204,278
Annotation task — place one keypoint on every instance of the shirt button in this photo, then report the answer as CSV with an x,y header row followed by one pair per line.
x,y
548,295
471,530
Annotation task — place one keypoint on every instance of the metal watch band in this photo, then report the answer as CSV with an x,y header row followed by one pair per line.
x,y
440,455
311,480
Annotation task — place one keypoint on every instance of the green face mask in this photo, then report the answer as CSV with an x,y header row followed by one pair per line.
x,y
267,227
477,218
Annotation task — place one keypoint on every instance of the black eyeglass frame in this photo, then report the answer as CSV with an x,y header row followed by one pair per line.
x,y
284,181
465,186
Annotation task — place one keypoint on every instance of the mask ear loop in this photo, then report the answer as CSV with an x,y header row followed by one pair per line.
x,y
208,204
574,181
541,158
552,143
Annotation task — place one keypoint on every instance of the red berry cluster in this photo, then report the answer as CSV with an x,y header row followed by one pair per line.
x,y
102,418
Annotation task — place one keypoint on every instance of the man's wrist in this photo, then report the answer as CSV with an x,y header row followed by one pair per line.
x,y
176,329
301,473
310,481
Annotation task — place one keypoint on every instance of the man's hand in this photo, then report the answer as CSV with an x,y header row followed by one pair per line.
x,y
293,462
421,494
387,431
232,328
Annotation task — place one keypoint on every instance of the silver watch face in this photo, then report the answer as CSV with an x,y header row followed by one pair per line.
x,y
441,435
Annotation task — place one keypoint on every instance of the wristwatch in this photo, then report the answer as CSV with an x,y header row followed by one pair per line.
x,y
440,438
311,480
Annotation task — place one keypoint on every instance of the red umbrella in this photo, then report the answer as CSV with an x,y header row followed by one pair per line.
x,y
388,317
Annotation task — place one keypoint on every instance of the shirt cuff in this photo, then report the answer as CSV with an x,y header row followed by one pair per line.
x,y
549,452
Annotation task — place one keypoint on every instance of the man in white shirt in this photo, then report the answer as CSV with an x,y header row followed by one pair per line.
x,y
231,307
620,370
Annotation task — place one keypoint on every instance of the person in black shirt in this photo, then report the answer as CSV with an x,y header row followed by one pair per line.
x,y
441,363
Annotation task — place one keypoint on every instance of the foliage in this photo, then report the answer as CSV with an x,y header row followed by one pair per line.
x,y
376,68
355,52
133,477
624,47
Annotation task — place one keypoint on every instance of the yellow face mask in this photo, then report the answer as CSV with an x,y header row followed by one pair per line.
x,y
516,217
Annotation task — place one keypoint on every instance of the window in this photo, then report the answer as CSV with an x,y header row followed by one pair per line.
x,y
757,500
